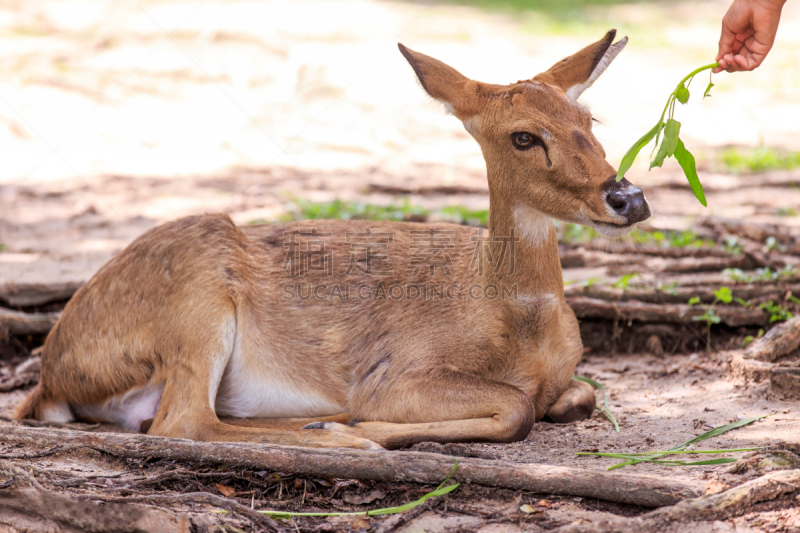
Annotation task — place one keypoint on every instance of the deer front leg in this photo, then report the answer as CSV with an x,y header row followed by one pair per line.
x,y
575,403
440,405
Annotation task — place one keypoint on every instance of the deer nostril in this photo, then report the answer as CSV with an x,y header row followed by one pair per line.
x,y
618,200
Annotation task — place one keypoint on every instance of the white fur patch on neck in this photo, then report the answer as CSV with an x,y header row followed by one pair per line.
x,y
576,90
448,107
533,226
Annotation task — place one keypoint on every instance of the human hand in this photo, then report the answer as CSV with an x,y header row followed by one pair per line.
x,y
748,31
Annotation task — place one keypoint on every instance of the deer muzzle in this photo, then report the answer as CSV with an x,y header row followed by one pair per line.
x,y
628,201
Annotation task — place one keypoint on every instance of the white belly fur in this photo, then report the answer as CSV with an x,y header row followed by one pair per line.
x,y
249,389
128,410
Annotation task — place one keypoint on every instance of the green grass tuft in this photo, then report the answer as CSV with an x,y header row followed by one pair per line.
x,y
740,160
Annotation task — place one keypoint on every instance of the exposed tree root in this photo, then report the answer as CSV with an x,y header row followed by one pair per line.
x,y
24,500
732,502
755,364
669,313
647,491
680,294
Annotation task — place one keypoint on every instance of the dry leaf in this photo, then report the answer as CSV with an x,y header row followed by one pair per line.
x,y
359,523
226,491
527,509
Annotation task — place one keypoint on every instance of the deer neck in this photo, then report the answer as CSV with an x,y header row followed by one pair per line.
x,y
536,267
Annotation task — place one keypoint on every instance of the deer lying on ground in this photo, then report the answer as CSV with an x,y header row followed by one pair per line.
x,y
357,333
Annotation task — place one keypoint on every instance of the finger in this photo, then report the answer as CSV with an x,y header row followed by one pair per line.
x,y
748,61
726,41
730,63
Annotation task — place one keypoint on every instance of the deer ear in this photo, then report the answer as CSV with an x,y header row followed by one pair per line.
x,y
576,73
444,83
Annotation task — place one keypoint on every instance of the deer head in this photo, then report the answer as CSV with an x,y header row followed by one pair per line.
x,y
541,155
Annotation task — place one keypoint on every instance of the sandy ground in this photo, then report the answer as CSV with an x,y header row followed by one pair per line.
x,y
116,117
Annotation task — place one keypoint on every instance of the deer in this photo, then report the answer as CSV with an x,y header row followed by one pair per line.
x,y
283,334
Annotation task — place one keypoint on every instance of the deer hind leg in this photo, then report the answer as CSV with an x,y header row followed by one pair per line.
x,y
186,409
441,405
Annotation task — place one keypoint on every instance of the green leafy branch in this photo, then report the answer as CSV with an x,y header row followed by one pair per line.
x,y
671,144
653,457
724,295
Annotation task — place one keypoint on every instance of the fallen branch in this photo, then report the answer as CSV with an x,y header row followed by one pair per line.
x,y
732,502
19,323
30,294
670,313
399,466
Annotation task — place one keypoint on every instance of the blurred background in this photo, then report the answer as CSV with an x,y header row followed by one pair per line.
x,y
118,116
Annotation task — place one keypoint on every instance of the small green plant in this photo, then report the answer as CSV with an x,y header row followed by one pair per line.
x,y
685,448
747,340
2,247
459,214
738,160
670,288
732,245
604,408
671,239
771,243
671,144
570,233
760,274
786,212
724,295
305,210
622,283
776,312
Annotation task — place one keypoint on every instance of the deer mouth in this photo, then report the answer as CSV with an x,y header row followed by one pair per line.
x,y
612,229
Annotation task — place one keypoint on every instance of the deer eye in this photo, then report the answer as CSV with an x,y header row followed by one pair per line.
x,y
522,140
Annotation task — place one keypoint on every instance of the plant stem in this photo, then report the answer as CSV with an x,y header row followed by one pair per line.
x,y
697,70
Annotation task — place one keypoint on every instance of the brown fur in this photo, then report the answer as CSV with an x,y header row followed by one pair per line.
x,y
190,302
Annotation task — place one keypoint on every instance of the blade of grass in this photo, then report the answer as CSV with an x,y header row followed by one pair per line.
x,y
718,461
605,410
441,490
716,432
677,452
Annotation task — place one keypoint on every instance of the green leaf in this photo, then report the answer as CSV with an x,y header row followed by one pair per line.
x,y
682,94
724,295
710,85
669,143
716,432
694,300
743,303
686,160
634,150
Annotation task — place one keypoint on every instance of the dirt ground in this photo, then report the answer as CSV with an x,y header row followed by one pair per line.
x,y
116,117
